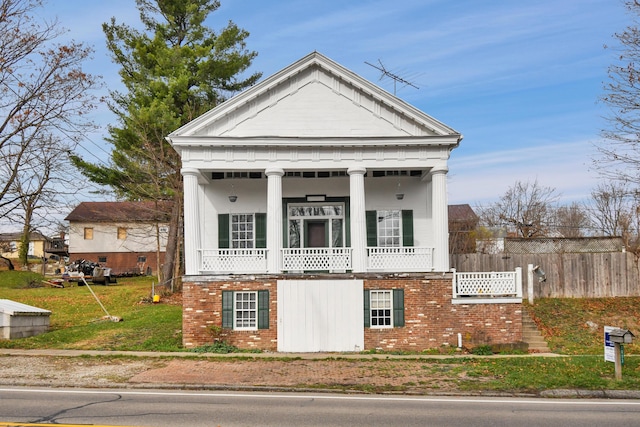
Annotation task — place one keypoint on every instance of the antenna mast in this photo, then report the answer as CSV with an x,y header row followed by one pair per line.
x,y
396,78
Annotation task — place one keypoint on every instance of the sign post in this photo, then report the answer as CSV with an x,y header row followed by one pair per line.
x,y
613,350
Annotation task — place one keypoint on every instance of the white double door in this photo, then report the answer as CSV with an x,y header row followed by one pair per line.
x,y
320,315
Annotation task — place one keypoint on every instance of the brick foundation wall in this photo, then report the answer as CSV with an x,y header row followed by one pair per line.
x,y
202,309
431,320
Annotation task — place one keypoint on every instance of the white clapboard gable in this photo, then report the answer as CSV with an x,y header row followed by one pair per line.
x,y
313,98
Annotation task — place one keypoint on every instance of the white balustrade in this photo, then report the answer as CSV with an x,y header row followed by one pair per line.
x,y
403,259
316,259
234,260
391,259
488,284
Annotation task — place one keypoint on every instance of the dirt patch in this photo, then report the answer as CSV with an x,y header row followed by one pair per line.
x,y
342,374
339,374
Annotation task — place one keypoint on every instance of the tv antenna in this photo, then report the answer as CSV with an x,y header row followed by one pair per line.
x,y
396,78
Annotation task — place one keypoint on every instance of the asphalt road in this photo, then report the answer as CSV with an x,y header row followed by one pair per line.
x,y
19,406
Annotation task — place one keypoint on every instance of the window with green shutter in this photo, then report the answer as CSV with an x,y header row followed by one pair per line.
x,y
244,310
383,308
389,228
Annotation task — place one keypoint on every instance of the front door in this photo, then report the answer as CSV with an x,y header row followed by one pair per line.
x,y
316,233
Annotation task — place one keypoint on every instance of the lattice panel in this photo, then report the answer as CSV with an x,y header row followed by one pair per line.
x,y
234,260
400,259
316,259
486,284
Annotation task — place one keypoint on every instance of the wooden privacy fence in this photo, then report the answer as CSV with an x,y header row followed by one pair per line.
x,y
568,275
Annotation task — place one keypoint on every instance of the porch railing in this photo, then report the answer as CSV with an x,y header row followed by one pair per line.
x,y
233,260
488,284
403,259
316,259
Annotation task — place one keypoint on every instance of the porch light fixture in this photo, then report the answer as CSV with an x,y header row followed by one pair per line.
x,y
399,194
233,197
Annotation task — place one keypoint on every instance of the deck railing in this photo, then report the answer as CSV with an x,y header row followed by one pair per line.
x,y
335,260
233,260
402,259
316,259
494,284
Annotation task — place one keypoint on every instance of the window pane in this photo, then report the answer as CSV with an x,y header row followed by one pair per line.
x,y
245,310
294,234
242,235
389,228
380,306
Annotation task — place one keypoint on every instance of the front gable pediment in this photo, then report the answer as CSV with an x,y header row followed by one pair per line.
x,y
314,98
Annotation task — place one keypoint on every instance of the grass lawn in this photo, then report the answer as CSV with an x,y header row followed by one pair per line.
x,y
575,325
77,320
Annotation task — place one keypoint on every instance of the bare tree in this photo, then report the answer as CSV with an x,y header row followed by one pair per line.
x,y
616,212
611,208
620,147
44,92
526,209
572,220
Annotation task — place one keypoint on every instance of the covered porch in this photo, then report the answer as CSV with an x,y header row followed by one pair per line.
x,y
356,221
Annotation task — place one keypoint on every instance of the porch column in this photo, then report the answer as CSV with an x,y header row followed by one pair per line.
x,y
358,219
191,221
439,204
274,219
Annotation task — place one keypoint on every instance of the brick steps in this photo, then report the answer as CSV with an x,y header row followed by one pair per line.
x,y
532,336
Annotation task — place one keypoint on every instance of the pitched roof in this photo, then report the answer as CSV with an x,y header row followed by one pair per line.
x,y
10,237
462,213
145,211
314,91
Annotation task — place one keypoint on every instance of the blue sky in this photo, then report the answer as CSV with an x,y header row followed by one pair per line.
x,y
520,80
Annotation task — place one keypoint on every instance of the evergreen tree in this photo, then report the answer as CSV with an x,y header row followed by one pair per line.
x,y
173,71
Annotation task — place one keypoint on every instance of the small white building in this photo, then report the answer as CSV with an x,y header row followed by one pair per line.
x,y
18,320
310,199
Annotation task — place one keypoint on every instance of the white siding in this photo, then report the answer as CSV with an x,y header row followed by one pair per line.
x,y
140,238
320,315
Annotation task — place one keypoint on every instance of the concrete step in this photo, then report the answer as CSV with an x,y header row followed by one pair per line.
x,y
531,335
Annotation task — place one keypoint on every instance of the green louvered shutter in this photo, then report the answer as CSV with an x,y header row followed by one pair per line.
x,y
223,231
398,307
261,230
367,305
407,228
263,309
227,309
372,228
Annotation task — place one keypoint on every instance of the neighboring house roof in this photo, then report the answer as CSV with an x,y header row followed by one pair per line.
x,y
462,213
17,236
145,211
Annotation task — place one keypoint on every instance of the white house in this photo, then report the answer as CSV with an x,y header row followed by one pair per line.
x,y
309,199
129,236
